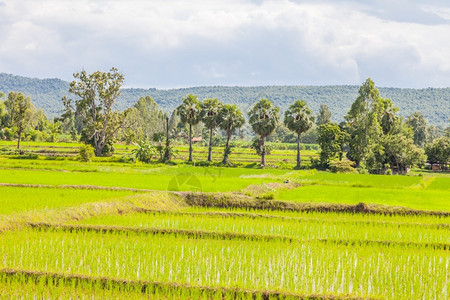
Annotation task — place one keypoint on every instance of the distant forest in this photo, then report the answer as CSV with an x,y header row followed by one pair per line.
x,y
433,103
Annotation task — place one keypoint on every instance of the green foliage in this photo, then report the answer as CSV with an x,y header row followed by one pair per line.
x,y
298,118
145,119
439,151
432,102
331,140
399,152
20,111
230,119
342,166
86,152
377,136
264,117
210,117
9,133
266,149
362,123
96,94
190,113
324,115
419,125
144,152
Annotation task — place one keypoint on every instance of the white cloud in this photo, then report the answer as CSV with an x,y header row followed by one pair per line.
x,y
229,42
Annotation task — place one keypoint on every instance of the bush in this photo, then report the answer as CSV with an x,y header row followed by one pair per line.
x,y
342,166
144,152
9,133
34,135
86,153
284,165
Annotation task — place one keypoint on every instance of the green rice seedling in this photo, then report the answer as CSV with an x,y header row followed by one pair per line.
x,y
416,199
388,271
298,228
21,199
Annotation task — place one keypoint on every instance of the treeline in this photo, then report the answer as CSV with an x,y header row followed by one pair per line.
x,y
373,136
433,103
19,117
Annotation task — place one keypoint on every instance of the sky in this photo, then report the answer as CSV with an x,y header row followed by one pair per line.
x,y
174,43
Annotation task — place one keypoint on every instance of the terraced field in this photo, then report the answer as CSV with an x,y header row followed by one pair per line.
x,y
238,156
110,229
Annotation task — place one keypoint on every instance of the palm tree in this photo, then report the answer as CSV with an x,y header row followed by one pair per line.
x,y
264,117
210,112
298,118
190,113
230,119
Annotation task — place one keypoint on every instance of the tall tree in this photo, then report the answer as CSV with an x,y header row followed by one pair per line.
x,y
418,123
190,113
299,119
438,152
230,119
210,112
362,123
399,152
96,94
21,111
324,115
150,117
264,117
331,139
3,112
433,133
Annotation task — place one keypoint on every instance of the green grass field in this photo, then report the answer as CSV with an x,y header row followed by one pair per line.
x,y
112,229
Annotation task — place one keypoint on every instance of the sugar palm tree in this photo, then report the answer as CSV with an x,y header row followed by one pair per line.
x,y
264,117
230,119
190,113
299,119
210,112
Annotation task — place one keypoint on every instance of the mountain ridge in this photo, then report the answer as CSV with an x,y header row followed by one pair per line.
x,y
434,103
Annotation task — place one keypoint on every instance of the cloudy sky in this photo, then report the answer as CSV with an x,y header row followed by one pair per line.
x,y
174,43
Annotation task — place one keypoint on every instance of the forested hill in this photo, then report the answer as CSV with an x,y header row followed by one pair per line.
x,y
434,103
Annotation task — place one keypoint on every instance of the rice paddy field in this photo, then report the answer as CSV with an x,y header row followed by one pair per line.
x,y
112,229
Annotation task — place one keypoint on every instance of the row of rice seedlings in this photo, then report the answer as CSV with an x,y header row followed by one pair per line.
x,y
20,199
227,235
334,217
294,228
390,271
32,284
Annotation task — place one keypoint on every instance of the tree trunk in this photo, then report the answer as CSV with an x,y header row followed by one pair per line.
x,y
210,145
263,152
298,151
167,150
190,142
227,145
98,150
18,141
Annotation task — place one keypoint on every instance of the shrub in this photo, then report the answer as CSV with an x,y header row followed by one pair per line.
x,y
144,152
86,152
342,166
9,133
